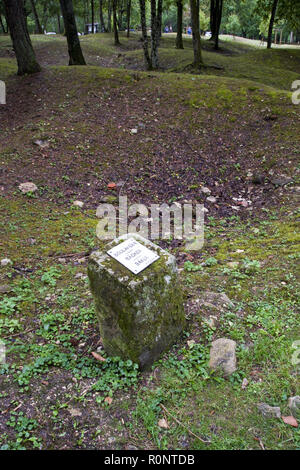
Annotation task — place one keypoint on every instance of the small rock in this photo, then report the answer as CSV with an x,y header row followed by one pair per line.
x,y
222,355
258,179
41,143
78,203
31,241
133,131
281,180
6,261
61,260
294,405
216,298
28,187
205,190
211,199
233,264
5,288
210,321
269,411
245,383
74,412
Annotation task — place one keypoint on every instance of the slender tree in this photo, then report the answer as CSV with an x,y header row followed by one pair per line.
x,y
102,24
179,42
74,48
38,27
128,17
216,10
109,11
93,15
271,25
115,21
147,58
198,62
2,25
15,16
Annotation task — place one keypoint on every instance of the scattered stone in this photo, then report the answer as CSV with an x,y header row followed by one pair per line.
x,y
281,180
61,260
269,411
31,241
205,190
258,179
140,315
222,355
109,199
233,264
245,383
74,412
4,288
216,298
78,203
210,321
133,131
28,187
6,261
41,143
211,199
294,405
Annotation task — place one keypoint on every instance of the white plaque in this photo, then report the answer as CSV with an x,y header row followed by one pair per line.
x,y
133,255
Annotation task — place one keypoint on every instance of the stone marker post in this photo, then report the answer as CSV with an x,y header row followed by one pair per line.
x,y
140,315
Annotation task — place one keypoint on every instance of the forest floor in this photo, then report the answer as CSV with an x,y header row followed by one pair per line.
x,y
232,129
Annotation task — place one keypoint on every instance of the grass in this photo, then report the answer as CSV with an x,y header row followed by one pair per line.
x,y
54,393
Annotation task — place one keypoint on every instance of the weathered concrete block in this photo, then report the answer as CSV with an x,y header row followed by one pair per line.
x,y
140,316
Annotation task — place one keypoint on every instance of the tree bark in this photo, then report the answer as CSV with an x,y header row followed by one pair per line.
x,y
38,27
102,24
74,48
128,17
15,16
154,35
179,42
213,19
272,20
219,11
147,58
109,16
93,15
116,33
58,23
2,25
196,34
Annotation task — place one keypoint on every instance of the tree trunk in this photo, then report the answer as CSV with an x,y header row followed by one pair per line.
x,y
219,11
58,23
93,15
196,34
15,16
116,33
128,17
159,20
213,19
38,27
74,48
109,16
102,24
179,42
273,14
154,35
147,58
2,25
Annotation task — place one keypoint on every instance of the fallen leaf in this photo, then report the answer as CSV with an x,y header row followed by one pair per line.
x,y
108,400
162,423
98,357
290,420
